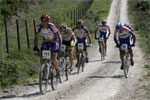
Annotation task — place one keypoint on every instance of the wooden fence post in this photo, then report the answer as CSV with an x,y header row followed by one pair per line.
x,y
28,44
18,35
34,25
6,35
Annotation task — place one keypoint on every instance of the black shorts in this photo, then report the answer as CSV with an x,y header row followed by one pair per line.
x,y
68,43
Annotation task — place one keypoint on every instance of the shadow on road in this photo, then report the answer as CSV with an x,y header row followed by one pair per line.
x,y
107,62
91,61
23,96
115,76
112,62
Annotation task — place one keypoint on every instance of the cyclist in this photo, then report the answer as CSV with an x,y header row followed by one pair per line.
x,y
124,34
82,33
128,26
69,40
50,35
103,28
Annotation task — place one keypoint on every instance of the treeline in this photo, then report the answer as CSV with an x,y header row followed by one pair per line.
x,y
139,12
9,8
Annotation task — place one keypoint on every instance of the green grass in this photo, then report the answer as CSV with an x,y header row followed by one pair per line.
x,y
18,67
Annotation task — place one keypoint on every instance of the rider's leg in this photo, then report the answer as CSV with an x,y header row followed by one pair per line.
x,y
71,57
86,53
76,56
131,57
54,60
105,45
99,43
121,57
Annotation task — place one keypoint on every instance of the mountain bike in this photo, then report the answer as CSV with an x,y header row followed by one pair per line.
x,y
81,57
126,59
63,61
102,48
48,74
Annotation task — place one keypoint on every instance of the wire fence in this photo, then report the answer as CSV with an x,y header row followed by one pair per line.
x,y
19,34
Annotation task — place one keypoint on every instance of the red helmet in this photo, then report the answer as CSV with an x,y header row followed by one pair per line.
x,y
45,16
80,22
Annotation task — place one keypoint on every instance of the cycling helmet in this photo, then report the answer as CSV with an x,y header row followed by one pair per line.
x,y
126,24
104,21
63,26
79,22
45,16
119,26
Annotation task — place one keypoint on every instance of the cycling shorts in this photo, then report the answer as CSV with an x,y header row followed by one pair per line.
x,y
83,40
125,41
103,34
46,46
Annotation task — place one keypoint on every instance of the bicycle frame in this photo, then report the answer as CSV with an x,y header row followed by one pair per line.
x,y
81,56
126,61
102,49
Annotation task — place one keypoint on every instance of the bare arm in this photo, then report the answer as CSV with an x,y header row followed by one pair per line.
x,y
89,36
115,37
109,31
134,37
96,32
60,38
74,38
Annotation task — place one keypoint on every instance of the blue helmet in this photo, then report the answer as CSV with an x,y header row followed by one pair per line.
x,y
119,26
104,21
126,24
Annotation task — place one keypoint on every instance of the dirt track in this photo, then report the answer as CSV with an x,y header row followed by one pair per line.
x,y
101,80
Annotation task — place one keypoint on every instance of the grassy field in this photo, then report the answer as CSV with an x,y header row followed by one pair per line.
x,y
139,12
18,67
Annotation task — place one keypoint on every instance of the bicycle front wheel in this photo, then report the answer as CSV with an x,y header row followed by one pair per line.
x,y
54,79
79,62
125,66
62,68
102,52
43,81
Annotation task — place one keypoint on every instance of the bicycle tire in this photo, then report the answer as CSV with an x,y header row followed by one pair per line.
x,y
125,67
62,68
66,70
42,82
102,52
54,79
79,62
83,62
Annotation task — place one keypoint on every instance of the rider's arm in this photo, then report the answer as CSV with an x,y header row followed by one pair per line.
x,y
89,35
109,31
134,38
60,38
96,32
74,38
115,37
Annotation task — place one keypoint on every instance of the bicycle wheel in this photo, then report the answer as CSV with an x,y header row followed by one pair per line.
x,y
102,52
83,62
54,78
66,70
43,82
62,68
125,67
79,62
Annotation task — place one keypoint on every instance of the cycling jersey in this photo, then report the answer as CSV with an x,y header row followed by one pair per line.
x,y
81,33
125,36
48,34
67,34
103,30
